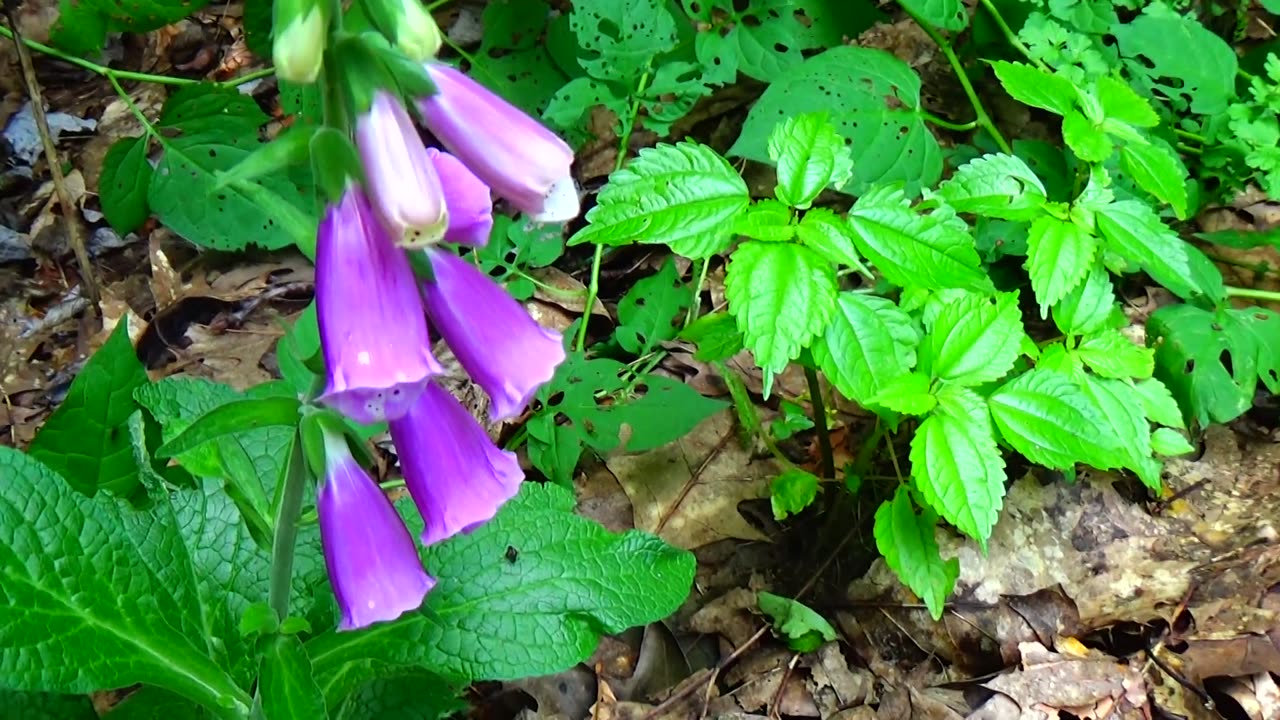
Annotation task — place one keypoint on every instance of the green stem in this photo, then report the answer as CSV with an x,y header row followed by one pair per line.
x,y
628,126
820,422
958,127
1190,136
286,536
128,101
983,120
113,74
1012,36
697,293
1265,295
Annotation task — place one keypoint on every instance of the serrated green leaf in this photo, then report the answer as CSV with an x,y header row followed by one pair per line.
x,y
956,465
652,309
782,296
1154,46
906,540
933,251
804,629
1088,141
974,339
767,220
1048,418
716,335
1111,354
85,440
122,188
1170,443
1120,409
490,618
1000,186
1158,404
1088,306
869,343
810,155
1133,231
1059,256
890,142
791,492
64,590
684,195
1157,170
908,394
1119,101
827,234
287,687
1037,88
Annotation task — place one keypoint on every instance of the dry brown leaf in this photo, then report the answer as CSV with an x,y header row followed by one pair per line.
x,y
688,492
1090,688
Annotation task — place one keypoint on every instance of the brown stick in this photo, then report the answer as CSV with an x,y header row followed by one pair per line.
x,y
88,279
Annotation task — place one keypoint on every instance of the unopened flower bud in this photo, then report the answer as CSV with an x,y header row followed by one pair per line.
x,y
301,29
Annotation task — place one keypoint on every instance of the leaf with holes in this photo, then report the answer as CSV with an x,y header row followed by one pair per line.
x,y
1059,255
652,309
973,340
999,186
620,38
782,296
933,252
957,466
810,156
906,540
684,195
1154,47
511,60
874,99
869,343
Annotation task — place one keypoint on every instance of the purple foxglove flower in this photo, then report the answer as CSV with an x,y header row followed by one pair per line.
x,y
504,350
402,179
372,560
514,154
467,198
455,474
372,328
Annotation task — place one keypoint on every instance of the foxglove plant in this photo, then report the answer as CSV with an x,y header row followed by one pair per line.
x,y
402,178
467,198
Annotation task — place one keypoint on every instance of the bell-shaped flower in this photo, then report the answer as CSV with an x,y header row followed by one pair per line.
x,y
401,177
298,49
511,152
455,474
372,560
467,198
373,332
505,351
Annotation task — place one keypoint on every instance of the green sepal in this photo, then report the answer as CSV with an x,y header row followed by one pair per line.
x,y
293,147
335,164
316,421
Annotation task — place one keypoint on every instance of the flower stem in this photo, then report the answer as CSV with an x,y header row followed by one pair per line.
x,y
1264,295
1010,35
286,535
820,421
697,293
983,120
624,142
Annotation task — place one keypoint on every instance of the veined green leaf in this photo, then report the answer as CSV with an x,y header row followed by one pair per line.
x,y
1110,354
1158,404
1121,410
1170,443
1087,307
1048,418
287,686
827,234
974,339
1088,141
232,419
810,156
906,540
1136,233
908,394
1031,86
767,220
1157,169
1059,256
996,185
1121,102
805,629
868,343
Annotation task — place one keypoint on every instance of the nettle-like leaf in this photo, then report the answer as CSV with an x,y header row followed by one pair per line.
x,y
85,440
1154,46
1060,254
956,464
932,251
651,310
1120,102
810,155
1112,355
889,140
1158,404
1118,404
869,343
974,339
1133,231
909,394
804,629
1031,86
827,234
1089,306
996,185
685,196
782,296
492,618
1158,170
768,220
791,492
1212,361
1047,417
906,540
1170,443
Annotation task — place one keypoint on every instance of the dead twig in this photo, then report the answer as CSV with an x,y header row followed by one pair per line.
x,y
87,277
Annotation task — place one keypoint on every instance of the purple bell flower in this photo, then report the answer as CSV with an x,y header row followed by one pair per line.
x,y
504,350
402,179
372,560
455,474
373,332
468,199
511,152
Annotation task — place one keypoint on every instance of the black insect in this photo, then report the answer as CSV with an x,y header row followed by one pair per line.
x,y
512,554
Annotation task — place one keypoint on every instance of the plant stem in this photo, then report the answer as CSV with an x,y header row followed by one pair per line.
x,y
107,72
624,142
958,127
697,293
820,422
286,536
1189,136
983,120
1010,35
1265,295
